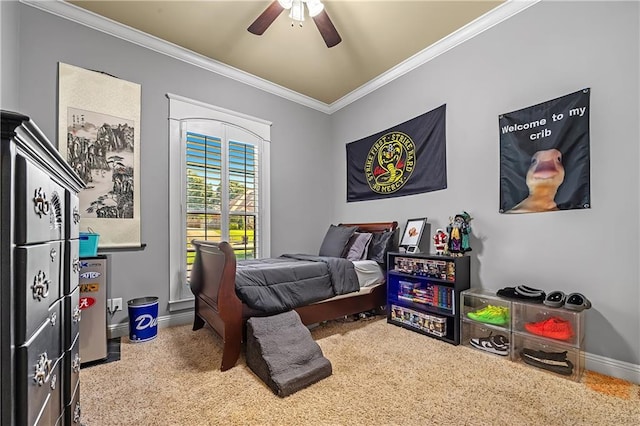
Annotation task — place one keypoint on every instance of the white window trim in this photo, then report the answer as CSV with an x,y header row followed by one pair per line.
x,y
180,110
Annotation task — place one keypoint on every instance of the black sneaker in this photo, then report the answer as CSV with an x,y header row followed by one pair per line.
x,y
497,344
552,361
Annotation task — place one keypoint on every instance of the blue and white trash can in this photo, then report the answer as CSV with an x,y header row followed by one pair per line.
x,y
143,319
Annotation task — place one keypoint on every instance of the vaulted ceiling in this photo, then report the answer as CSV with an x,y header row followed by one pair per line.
x,y
377,36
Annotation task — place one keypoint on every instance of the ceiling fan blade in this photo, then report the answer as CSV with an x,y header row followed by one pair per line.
x,y
326,28
265,19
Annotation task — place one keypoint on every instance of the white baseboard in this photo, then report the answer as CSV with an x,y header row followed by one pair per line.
x,y
599,364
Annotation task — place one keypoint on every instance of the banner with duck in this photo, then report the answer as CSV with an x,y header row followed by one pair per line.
x,y
544,156
409,158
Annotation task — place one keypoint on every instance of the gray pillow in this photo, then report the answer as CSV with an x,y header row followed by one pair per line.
x,y
381,243
335,240
358,245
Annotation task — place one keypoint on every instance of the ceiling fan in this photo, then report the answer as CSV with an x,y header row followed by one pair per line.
x,y
316,12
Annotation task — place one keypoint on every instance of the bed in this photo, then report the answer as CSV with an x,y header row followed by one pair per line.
x,y
218,303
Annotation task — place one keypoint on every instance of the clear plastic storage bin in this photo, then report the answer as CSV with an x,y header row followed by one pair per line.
x,y
539,320
486,338
485,307
544,354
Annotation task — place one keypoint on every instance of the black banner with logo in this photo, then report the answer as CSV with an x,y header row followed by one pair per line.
x,y
544,156
409,158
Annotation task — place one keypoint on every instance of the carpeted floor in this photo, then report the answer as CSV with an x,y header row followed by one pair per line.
x,y
382,375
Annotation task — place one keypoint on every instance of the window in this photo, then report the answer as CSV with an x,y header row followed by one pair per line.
x,y
206,212
219,186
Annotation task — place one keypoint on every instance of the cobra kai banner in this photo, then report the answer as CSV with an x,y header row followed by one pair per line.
x,y
407,159
544,156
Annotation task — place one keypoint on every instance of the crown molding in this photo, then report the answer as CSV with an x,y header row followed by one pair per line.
x,y
100,23
501,13
108,26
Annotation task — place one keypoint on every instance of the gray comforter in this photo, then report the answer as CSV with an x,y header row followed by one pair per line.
x,y
280,284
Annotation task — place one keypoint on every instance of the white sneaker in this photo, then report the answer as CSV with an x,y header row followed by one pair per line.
x,y
497,344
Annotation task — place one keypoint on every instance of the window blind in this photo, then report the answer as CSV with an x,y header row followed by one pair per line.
x,y
215,167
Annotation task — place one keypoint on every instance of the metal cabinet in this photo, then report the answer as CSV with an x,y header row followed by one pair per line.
x,y
93,303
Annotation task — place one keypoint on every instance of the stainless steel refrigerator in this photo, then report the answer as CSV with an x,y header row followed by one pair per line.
x,y
93,307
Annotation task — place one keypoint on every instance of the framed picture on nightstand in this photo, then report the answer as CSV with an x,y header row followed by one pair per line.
x,y
413,234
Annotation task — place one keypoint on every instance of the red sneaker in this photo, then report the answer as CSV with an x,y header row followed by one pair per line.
x,y
554,327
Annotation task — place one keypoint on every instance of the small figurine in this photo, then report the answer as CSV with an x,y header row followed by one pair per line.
x,y
459,230
440,242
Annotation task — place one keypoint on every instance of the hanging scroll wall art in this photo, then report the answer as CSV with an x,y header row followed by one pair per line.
x,y
99,135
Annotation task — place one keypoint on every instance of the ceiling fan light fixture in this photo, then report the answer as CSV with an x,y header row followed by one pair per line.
x,y
317,12
297,11
315,7
286,4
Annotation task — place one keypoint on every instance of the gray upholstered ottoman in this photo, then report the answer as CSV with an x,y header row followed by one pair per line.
x,y
281,351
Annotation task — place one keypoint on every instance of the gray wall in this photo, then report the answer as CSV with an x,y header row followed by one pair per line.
x,y
9,18
547,51
298,133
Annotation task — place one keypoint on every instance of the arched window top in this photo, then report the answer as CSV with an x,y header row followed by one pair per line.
x,y
181,108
